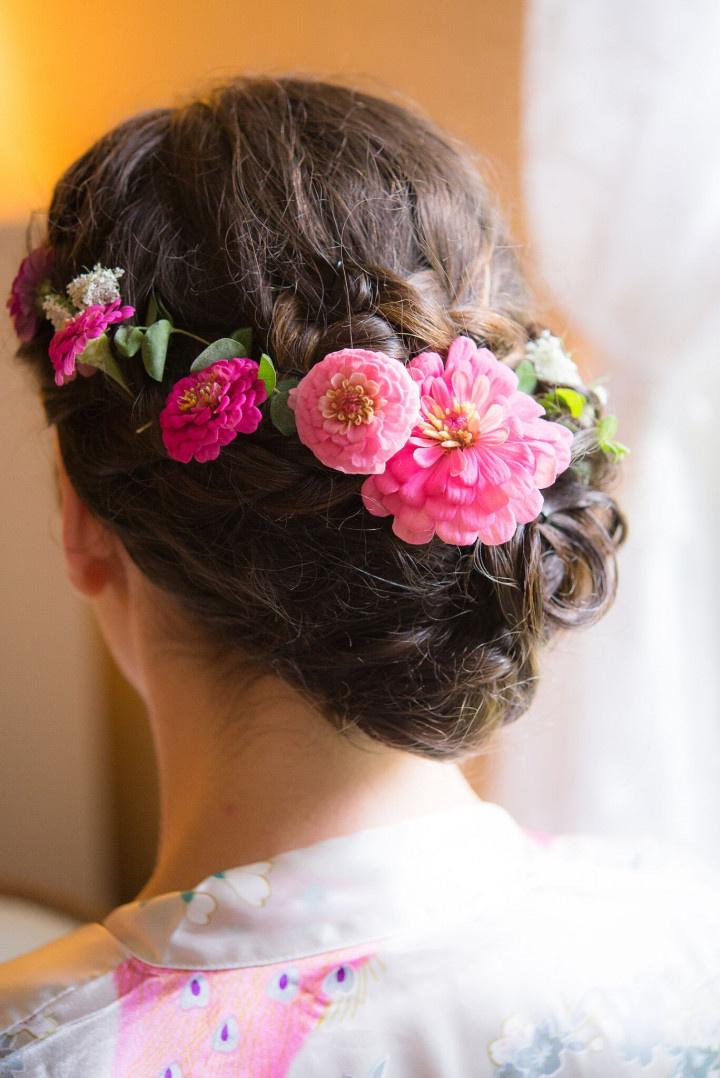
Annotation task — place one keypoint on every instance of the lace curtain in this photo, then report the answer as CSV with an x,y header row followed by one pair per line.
x,y
622,189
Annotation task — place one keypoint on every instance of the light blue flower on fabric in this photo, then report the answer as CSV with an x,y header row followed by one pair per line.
x,y
695,1062
637,1053
531,1051
542,1056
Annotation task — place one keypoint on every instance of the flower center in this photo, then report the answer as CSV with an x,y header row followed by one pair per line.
x,y
451,427
205,394
348,402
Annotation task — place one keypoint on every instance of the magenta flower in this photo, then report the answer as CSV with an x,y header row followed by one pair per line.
x,y
475,461
71,341
22,301
208,408
355,408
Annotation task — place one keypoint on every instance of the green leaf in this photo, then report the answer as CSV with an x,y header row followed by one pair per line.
x,y
562,400
606,427
225,348
97,353
573,401
128,340
281,414
550,403
615,449
527,379
605,430
151,314
162,309
154,348
244,338
266,373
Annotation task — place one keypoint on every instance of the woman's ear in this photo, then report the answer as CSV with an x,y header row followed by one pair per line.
x,y
91,554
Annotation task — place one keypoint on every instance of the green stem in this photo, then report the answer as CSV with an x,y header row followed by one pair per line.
x,y
186,333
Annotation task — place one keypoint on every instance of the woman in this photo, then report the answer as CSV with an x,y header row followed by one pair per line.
x,y
305,415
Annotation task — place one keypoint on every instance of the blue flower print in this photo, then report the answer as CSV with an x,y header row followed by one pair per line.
x,y
531,1051
695,1062
642,1054
541,1057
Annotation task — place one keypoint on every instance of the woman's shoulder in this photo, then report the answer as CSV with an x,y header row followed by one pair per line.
x,y
592,883
616,908
591,956
603,957
50,977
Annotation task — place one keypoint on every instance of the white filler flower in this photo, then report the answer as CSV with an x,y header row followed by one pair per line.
x,y
57,309
551,362
100,285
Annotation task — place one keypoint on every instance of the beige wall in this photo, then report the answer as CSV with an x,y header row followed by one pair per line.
x,y
68,820
54,812
69,70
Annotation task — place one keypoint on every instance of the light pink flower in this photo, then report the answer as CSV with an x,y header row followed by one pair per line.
x,y
355,408
475,461
209,408
22,301
71,341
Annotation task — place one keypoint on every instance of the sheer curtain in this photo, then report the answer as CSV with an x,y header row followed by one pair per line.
x,y
622,188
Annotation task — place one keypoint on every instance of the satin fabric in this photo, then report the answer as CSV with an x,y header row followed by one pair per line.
x,y
453,943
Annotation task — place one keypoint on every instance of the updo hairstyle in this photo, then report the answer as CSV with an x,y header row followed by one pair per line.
x,y
323,218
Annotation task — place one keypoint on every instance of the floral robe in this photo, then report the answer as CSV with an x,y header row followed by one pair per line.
x,y
453,944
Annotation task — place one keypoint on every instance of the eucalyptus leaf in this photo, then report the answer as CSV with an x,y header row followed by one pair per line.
x,y
527,379
266,373
244,338
225,348
128,340
281,414
154,348
97,353
573,401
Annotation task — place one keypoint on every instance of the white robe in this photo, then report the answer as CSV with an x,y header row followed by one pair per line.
x,y
454,944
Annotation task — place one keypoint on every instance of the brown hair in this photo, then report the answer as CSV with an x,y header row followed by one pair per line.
x,y
321,217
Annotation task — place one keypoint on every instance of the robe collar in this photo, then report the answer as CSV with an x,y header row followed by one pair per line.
x,y
418,874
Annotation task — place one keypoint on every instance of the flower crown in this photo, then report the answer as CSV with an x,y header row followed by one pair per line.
x,y
455,449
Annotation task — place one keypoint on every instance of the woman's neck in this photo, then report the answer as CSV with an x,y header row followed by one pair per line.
x,y
242,783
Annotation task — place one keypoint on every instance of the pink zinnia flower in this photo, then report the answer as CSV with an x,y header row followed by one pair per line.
x,y
71,341
22,301
208,408
355,408
477,457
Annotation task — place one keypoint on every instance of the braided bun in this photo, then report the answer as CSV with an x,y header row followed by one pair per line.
x,y
323,218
